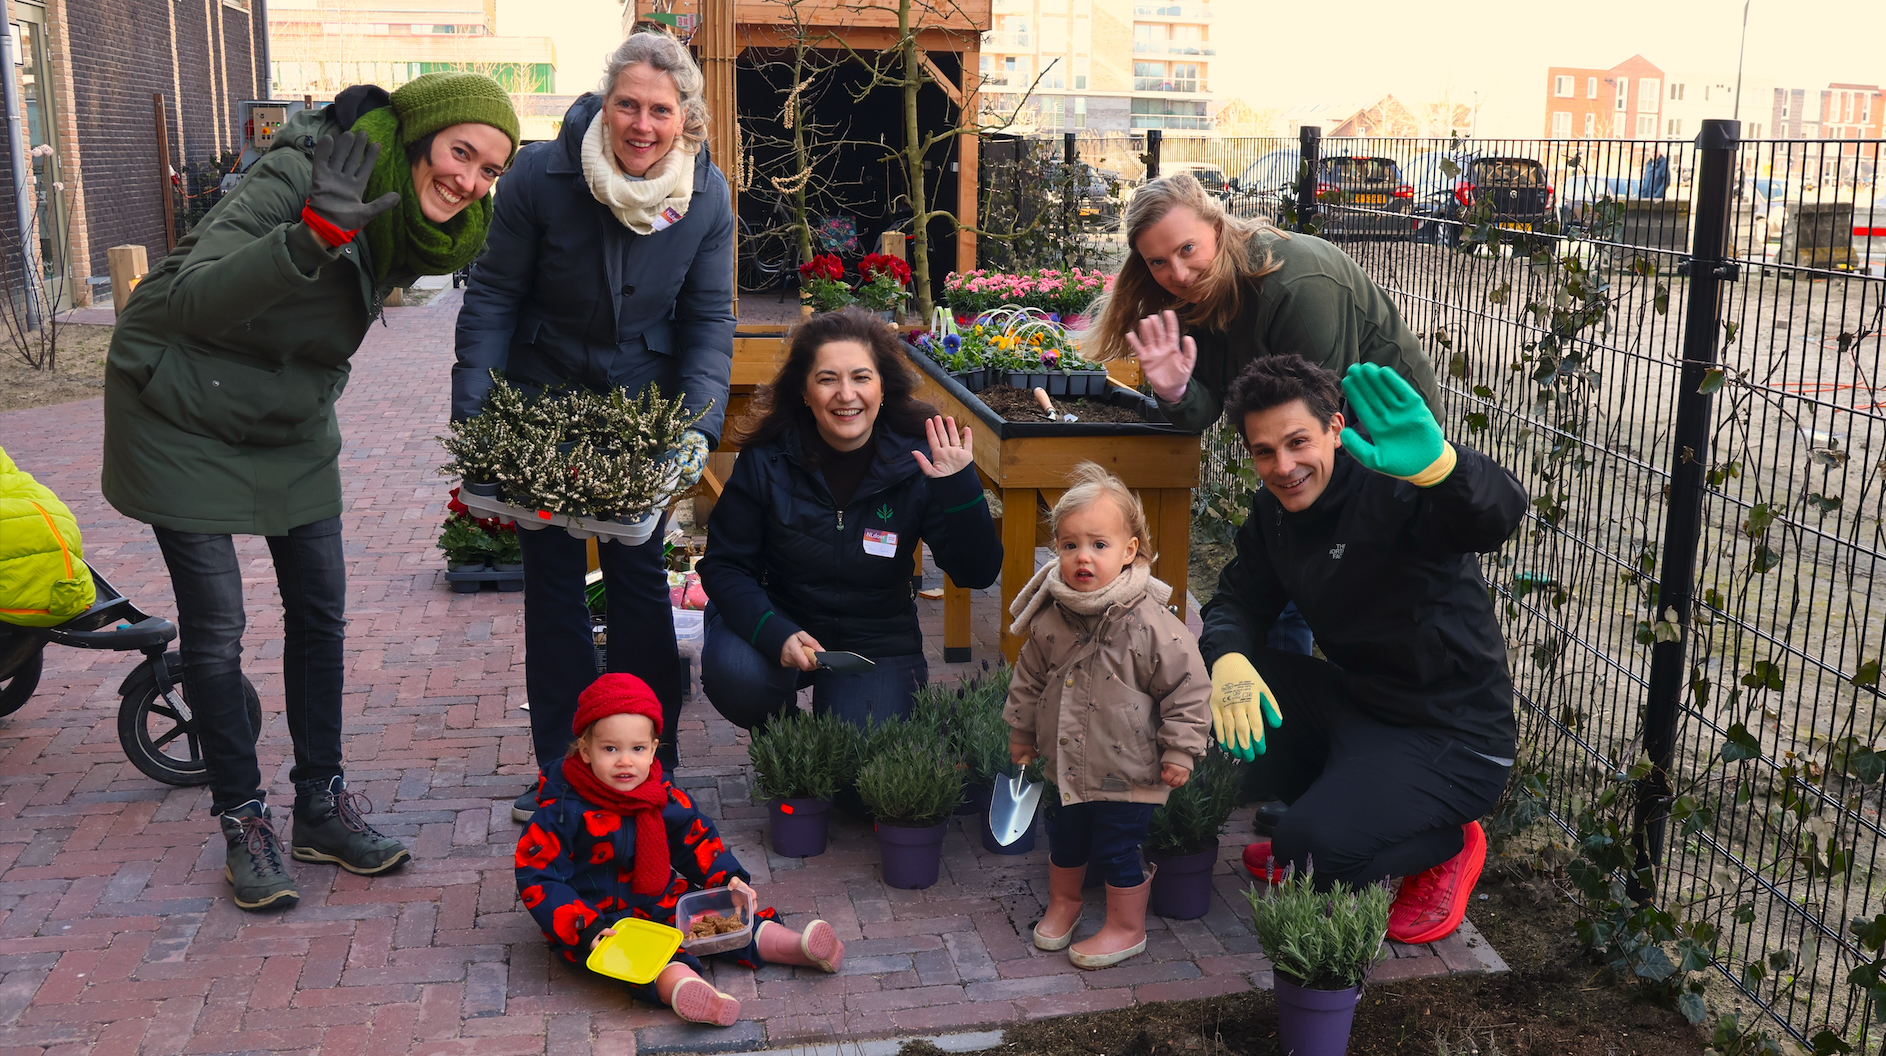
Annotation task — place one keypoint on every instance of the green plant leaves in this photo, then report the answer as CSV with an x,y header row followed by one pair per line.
x,y
1741,745
1712,380
1765,674
1867,675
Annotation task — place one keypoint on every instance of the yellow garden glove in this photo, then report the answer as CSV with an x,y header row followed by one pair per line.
x,y
1241,705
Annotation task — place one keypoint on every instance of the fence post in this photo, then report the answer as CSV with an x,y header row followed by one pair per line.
x,y
1310,150
1153,136
163,172
1068,150
1689,461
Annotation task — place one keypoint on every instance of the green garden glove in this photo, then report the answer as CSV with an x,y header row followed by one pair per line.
x,y
1408,442
1241,705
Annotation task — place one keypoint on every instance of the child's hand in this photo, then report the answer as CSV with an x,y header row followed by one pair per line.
x,y
1021,753
1174,775
597,941
742,892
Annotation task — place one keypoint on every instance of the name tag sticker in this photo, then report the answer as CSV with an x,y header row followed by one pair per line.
x,y
880,543
668,218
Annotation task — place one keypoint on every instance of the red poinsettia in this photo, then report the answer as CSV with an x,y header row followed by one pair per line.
x,y
825,266
875,263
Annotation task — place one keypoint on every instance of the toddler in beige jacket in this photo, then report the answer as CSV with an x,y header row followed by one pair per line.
x,y
1111,693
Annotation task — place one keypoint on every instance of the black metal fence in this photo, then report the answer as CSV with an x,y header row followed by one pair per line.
x,y
1677,347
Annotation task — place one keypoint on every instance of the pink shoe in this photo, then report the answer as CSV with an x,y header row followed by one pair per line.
x,y
821,946
695,1000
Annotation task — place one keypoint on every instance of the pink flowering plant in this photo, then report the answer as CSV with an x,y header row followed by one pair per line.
x,y
1051,290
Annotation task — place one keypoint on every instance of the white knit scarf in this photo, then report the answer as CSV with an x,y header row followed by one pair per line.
x,y
645,205
1133,580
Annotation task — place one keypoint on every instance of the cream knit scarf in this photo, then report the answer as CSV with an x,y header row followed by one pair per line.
x,y
1133,580
645,205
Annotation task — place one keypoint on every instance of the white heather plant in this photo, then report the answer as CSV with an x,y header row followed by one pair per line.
x,y
576,452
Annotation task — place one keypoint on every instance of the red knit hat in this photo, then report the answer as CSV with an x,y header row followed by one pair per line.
x,y
616,694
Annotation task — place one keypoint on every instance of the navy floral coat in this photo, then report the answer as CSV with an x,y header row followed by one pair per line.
x,y
575,859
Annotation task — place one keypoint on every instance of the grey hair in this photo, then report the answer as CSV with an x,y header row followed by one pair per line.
x,y
664,53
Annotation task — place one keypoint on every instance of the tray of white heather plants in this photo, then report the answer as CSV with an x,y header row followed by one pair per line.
x,y
628,531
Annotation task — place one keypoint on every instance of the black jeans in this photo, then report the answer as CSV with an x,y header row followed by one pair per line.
x,y
311,573
1102,834
559,649
1368,800
749,689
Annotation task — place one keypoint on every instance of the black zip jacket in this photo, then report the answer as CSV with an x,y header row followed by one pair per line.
x,y
781,557
1385,575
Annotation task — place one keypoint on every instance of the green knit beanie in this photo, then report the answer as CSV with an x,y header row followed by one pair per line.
x,y
434,101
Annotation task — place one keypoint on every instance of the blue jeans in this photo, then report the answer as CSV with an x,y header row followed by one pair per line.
x,y
749,689
1291,632
1105,835
560,650
311,573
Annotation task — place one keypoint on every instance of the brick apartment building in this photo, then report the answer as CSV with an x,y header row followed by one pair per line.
x,y
1623,102
86,72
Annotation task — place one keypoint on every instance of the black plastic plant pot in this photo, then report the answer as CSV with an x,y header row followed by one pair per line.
x,y
1018,379
1057,384
487,488
1037,381
1152,422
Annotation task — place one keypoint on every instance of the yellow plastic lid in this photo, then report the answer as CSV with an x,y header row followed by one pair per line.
x,y
637,952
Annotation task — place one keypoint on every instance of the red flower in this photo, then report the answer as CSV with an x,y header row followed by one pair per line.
x,y
569,921
537,848
452,505
875,263
601,853
601,822
532,896
825,266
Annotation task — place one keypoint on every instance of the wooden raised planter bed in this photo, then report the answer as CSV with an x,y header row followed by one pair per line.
x,y
1027,463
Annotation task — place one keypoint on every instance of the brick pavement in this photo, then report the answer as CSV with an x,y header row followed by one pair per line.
x,y
116,935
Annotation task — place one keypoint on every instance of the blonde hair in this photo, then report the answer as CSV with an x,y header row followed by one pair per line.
x,y
1136,294
666,54
1088,484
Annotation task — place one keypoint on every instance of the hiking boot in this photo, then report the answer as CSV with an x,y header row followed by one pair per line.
x,y
1264,822
331,826
1259,859
253,862
1432,903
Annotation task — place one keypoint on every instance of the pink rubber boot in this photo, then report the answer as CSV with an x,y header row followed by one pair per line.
x,y
816,947
694,998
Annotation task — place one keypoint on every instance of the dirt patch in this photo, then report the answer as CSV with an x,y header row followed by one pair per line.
x,y
1207,558
1018,405
1553,1002
78,374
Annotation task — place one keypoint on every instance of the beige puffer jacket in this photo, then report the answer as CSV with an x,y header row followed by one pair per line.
x,y
1106,710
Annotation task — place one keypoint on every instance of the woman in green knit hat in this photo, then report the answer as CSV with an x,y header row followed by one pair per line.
x,y
219,421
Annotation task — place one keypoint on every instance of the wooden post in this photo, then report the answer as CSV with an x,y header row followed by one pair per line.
x,y
715,42
127,264
891,244
163,171
968,158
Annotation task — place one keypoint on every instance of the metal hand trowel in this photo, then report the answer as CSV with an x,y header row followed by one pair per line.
x,y
843,663
1012,806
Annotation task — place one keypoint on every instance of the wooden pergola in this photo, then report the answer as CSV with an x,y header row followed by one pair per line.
x,y
728,27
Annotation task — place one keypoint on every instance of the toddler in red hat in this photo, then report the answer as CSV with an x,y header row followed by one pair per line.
x,y
613,839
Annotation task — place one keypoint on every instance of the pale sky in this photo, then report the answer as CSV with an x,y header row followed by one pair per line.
x,y
1418,52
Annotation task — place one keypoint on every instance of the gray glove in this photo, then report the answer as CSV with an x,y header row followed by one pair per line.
x,y
341,169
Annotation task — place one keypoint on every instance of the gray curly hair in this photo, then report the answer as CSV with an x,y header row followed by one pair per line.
x,y
664,53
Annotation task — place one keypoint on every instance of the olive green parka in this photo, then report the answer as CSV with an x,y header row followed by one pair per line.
x,y
226,363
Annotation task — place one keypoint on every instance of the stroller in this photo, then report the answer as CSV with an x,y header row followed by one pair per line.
x,y
155,724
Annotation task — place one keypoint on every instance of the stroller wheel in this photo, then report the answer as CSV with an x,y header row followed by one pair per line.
x,y
159,732
17,687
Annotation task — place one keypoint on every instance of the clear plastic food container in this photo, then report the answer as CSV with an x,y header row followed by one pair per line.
x,y
716,900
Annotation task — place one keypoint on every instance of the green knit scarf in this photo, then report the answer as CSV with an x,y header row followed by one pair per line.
x,y
402,239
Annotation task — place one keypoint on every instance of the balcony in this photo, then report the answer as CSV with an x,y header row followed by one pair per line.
x,y
1008,42
1171,47
1168,84
1192,12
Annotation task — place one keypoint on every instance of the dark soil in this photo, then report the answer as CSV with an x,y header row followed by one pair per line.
x,y
1207,558
1555,1001
1018,405
78,374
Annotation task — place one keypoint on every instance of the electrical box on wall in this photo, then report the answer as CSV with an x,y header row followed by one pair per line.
x,y
260,120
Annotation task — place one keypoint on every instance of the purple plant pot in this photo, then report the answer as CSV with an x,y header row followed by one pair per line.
x,y
975,800
1314,1022
798,827
912,857
1182,886
1023,843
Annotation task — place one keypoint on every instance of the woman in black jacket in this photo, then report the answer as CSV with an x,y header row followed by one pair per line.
x,y
811,546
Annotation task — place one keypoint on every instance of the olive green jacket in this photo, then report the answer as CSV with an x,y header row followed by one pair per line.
x,y
225,365
1320,305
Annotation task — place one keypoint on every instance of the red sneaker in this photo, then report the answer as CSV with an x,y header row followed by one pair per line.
x,y
1257,858
1432,903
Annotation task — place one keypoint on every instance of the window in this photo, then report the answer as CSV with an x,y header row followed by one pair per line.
x,y
1866,109
1591,87
1591,125
1185,77
1784,107
1053,73
1080,112
1676,93
1754,131
1649,93
1617,126
1561,123
1673,128
1150,77
1169,113
1624,93
1646,126
1080,82
1562,86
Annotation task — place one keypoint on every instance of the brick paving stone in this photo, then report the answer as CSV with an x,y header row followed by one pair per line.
x,y
117,934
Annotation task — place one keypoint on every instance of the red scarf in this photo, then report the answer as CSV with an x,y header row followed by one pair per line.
x,y
643,803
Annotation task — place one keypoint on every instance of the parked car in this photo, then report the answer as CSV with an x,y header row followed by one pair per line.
x,y
1097,192
1208,175
1579,203
1359,197
1516,190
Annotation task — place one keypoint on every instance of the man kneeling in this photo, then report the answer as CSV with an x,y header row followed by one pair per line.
x,y
1388,750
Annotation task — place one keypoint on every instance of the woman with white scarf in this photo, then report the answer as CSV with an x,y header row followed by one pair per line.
x,y
609,265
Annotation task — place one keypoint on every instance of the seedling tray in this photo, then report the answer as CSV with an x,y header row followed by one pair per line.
x,y
634,534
